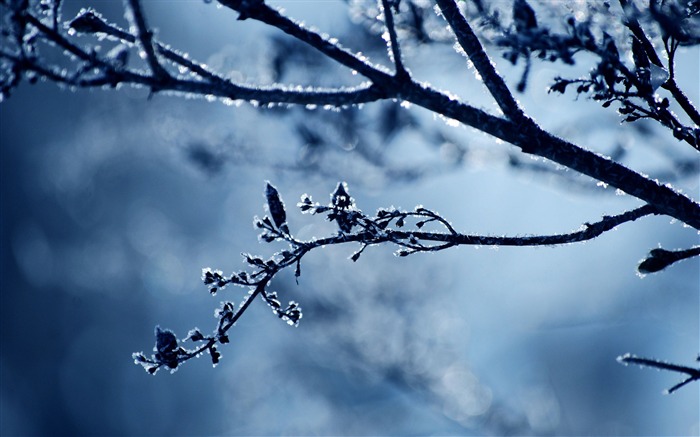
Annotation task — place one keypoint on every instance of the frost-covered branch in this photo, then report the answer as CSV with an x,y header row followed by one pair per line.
x,y
259,11
612,80
659,259
145,36
672,86
392,39
404,229
693,373
472,47
94,70
38,45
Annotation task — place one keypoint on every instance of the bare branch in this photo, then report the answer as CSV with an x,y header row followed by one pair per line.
x,y
473,48
672,86
536,141
630,10
393,41
258,10
192,66
693,374
145,36
354,226
528,136
420,230
224,89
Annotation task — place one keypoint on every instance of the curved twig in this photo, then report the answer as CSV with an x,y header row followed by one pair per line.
x,y
354,226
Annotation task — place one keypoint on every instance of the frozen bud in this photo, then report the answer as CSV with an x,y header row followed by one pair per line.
x,y
195,335
276,207
273,301
657,260
306,203
340,197
165,340
292,314
88,21
167,350
215,355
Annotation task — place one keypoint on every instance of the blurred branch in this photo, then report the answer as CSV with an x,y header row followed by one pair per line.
x,y
671,85
693,374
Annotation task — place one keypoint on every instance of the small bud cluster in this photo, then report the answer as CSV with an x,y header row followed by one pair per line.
x,y
409,230
353,226
214,279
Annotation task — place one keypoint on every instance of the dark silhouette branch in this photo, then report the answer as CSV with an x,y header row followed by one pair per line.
x,y
473,48
393,41
693,373
611,81
671,85
145,35
536,141
524,134
632,23
388,226
258,10
217,86
659,259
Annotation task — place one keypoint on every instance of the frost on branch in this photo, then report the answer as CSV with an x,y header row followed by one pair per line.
x,y
276,208
631,62
693,373
659,259
417,230
167,352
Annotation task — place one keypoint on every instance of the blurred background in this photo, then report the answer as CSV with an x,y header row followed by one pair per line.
x,y
112,203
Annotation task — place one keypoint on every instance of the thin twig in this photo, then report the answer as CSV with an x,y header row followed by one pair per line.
x,y
145,36
258,10
671,45
263,95
693,374
194,67
385,227
473,48
633,24
393,42
55,13
588,232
